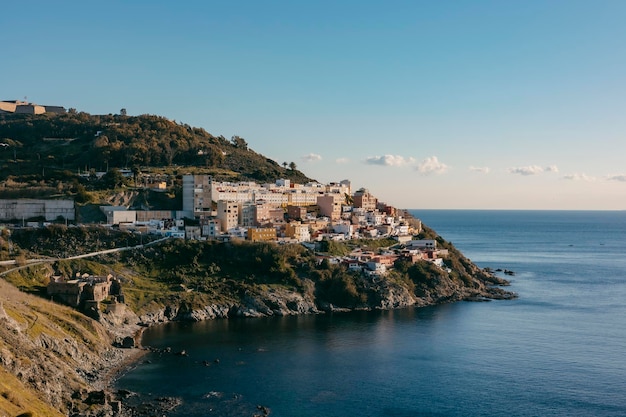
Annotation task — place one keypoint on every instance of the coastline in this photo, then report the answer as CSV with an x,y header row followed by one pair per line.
x,y
122,361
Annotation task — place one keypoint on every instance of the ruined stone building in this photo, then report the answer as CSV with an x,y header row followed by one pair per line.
x,y
83,289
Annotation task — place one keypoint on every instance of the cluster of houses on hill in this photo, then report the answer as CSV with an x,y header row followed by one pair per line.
x,y
286,213
372,263
281,211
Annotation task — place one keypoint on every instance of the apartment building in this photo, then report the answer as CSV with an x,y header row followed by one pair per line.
x,y
330,205
210,227
199,191
363,199
298,231
297,212
197,194
228,214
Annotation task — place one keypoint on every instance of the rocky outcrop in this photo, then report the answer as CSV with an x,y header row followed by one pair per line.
x,y
56,353
384,294
391,295
261,303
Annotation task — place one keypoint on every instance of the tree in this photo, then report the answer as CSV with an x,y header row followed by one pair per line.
x,y
135,170
285,165
113,179
239,142
82,196
123,112
214,156
292,166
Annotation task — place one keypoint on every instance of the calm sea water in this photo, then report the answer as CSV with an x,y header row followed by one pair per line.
x,y
558,350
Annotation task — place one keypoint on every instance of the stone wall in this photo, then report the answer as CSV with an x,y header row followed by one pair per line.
x,y
18,209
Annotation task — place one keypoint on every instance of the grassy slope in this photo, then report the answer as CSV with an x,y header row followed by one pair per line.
x,y
15,398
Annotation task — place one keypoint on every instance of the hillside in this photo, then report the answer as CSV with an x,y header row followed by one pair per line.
x,y
53,358
46,149
237,275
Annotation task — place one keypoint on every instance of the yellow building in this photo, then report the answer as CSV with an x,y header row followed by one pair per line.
x,y
261,234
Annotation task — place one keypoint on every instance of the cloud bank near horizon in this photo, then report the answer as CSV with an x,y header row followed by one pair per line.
x,y
533,170
578,177
619,177
482,170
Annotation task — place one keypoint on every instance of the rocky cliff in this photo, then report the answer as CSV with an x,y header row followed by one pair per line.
x,y
53,358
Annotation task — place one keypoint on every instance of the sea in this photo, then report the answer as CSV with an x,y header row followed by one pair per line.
x,y
559,349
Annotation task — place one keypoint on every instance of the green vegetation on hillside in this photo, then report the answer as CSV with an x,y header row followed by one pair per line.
x,y
215,272
46,149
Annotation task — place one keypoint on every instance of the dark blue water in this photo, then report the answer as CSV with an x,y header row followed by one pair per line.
x,y
558,350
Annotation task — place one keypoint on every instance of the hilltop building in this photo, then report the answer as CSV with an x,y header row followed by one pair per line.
x,y
24,107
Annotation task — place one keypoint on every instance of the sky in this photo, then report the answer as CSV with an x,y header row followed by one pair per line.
x,y
427,104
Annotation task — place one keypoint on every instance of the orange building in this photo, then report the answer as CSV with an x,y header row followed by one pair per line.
x,y
261,234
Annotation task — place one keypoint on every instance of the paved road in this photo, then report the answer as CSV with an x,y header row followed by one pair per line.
x,y
36,261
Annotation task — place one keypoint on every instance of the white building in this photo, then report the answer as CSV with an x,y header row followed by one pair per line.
x,y
346,229
374,218
200,191
423,244
210,228
377,267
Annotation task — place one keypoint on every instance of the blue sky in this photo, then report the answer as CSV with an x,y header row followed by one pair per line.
x,y
428,104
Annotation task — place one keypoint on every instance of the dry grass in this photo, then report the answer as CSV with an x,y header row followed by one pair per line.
x,y
16,399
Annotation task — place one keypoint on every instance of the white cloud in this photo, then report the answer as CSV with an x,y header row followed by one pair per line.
x,y
389,160
342,160
312,157
533,170
620,177
528,170
482,170
431,165
578,177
